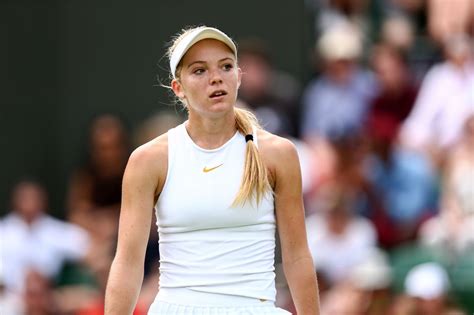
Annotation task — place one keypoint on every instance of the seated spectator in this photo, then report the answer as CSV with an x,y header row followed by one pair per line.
x,y
398,92
338,239
344,169
32,239
367,290
428,284
444,103
336,103
405,181
454,226
95,189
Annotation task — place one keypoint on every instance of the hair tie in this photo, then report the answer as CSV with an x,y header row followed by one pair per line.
x,y
248,138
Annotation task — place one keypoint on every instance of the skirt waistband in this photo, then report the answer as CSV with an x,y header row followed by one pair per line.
x,y
198,298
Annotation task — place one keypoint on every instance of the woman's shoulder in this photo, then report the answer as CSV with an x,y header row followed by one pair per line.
x,y
268,141
148,164
276,150
152,154
281,159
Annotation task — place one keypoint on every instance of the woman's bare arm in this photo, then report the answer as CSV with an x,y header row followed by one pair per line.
x,y
298,265
142,182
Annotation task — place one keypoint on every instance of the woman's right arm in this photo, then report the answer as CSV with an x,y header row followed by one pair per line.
x,y
143,180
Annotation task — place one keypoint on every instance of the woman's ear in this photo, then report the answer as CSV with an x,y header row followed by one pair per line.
x,y
177,88
239,77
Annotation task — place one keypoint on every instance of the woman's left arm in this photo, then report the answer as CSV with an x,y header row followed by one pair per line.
x,y
297,261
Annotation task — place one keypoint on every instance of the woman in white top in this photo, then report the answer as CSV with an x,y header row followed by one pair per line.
x,y
220,186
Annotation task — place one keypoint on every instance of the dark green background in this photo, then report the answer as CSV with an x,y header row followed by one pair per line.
x,y
63,62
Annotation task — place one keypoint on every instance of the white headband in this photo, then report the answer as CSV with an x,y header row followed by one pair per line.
x,y
192,38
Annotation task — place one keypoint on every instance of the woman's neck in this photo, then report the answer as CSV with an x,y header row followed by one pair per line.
x,y
211,133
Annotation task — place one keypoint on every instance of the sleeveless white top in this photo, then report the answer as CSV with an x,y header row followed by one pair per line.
x,y
205,244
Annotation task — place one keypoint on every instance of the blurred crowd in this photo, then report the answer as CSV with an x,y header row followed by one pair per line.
x,y
385,133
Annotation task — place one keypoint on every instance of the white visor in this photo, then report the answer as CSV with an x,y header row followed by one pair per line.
x,y
192,38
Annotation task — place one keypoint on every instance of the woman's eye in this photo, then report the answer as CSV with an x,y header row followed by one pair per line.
x,y
198,71
228,66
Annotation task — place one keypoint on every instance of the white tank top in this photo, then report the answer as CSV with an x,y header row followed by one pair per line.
x,y
205,244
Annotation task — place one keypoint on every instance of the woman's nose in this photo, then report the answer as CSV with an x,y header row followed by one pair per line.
x,y
215,77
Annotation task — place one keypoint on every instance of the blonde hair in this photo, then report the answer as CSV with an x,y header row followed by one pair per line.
x,y
255,183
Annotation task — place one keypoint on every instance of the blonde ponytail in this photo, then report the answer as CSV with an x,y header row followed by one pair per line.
x,y
255,179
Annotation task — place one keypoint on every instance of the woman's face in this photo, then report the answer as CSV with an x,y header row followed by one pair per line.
x,y
209,78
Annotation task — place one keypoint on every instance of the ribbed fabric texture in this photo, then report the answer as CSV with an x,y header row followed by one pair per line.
x,y
205,244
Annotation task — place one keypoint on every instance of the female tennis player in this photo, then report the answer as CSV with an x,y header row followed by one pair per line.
x,y
220,186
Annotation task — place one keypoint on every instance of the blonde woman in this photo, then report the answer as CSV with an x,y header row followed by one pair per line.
x,y
220,186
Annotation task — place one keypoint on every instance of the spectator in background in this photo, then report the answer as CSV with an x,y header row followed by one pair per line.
x,y
338,239
95,189
372,279
366,291
404,182
336,103
428,284
271,94
397,90
453,227
444,103
32,239
347,173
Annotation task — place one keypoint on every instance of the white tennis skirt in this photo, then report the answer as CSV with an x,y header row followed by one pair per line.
x,y
186,302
